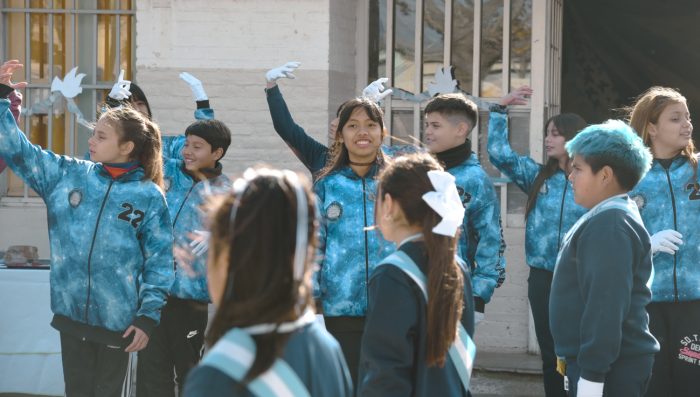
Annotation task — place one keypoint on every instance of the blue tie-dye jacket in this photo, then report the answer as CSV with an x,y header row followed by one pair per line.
x,y
111,239
555,210
185,197
667,199
173,144
481,242
349,253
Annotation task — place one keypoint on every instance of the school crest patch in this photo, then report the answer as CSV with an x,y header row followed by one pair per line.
x,y
334,211
75,197
464,196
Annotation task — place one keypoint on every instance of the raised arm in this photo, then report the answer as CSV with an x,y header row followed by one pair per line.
x,y
173,144
309,151
522,170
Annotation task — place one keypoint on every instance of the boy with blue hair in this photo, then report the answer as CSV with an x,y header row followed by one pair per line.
x,y
599,292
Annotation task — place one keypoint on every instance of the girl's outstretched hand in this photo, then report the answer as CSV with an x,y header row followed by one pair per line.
x,y
6,71
517,97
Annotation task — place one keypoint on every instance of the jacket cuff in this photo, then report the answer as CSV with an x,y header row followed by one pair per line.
x,y
273,90
5,90
145,324
479,304
203,104
497,108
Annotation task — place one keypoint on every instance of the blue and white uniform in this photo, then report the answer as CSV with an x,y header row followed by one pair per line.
x,y
111,239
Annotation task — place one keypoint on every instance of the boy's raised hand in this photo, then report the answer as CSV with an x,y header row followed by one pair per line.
x,y
120,90
6,71
517,97
284,71
195,85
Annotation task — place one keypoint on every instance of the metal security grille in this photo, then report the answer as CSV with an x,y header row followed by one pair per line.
x,y
51,37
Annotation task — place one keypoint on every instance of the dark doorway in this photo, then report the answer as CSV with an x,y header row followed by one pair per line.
x,y
614,50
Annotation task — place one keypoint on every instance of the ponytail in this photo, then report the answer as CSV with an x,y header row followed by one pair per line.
x,y
446,292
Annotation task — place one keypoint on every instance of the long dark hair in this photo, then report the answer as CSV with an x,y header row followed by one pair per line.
x,y
338,153
132,126
137,94
406,180
648,107
568,125
258,250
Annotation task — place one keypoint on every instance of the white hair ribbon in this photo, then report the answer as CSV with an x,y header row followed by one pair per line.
x,y
446,202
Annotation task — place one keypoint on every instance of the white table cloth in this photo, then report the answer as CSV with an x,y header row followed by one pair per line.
x,y
30,349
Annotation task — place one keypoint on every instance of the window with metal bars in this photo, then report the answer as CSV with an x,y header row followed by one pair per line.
x,y
487,42
50,37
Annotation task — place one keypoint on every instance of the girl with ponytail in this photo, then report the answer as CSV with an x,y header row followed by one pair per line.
x,y
263,339
420,297
111,243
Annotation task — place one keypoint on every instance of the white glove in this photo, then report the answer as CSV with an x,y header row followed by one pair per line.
x,y
444,83
200,242
284,71
478,317
120,89
586,388
374,90
666,241
195,85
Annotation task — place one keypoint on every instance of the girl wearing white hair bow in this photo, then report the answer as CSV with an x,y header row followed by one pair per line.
x,y
420,313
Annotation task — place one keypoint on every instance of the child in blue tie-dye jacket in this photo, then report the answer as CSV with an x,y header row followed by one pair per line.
x,y
111,243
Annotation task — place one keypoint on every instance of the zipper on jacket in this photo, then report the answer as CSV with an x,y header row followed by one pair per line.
x,y
183,204
364,210
561,213
178,215
92,246
675,227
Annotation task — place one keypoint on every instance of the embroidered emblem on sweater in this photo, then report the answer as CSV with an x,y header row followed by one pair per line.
x,y
334,211
75,197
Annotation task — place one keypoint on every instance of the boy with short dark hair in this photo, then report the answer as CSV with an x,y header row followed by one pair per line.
x,y
599,295
177,342
449,118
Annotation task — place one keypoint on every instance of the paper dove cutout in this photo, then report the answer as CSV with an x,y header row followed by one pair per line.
x,y
446,202
443,84
374,90
67,88
70,86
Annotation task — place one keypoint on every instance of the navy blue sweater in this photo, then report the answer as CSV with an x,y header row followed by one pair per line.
x,y
599,294
393,355
311,352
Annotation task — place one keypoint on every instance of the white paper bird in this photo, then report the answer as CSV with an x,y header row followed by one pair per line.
x,y
444,83
69,87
